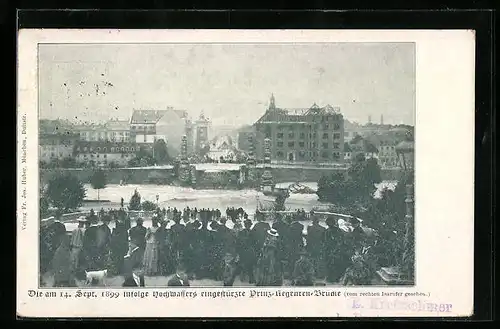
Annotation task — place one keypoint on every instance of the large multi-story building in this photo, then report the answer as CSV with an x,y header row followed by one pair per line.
x,y
148,126
243,135
314,134
111,131
54,147
104,153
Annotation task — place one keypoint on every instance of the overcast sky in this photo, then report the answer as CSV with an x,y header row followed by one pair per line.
x,y
231,84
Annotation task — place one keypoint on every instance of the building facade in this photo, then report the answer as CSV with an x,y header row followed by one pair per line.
x,y
201,133
53,147
104,153
111,131
148,126
310,135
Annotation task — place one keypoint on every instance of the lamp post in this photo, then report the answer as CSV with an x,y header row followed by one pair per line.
x,y
403,273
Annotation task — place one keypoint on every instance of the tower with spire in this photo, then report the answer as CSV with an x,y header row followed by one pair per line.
x,y
272,103
201,137
382,119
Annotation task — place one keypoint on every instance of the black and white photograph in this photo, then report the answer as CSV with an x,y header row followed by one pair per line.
x,y
226,164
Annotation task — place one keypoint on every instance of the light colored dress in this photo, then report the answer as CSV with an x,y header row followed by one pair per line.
x,y
151,253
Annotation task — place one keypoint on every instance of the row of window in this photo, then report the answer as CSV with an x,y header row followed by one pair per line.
x,y
105,149
85,156
313,145
97,139
302,155
291,135
51,147
52,154
143,127
335,126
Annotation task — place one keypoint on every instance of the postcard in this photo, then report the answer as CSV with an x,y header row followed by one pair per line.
x,y
245,173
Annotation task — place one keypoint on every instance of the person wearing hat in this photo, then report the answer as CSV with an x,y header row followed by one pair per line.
x,y
316,245
90,248
119,245
333,250
215,248
178,237
296,242
282,226
103,242
260,232
133,272
269,270
230,269
137,236
76,245
246,250
303,272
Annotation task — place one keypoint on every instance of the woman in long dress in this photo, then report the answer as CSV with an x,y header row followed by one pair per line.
x,y
269,270
151,253
119,246
61,264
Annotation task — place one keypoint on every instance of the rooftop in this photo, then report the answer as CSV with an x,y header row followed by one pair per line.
x,y
297,114
153,116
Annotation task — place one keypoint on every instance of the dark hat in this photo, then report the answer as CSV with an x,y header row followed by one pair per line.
x,y
139,220
273,232
331,221
247,222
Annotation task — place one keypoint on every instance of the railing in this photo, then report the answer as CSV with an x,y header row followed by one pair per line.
x,y
72,217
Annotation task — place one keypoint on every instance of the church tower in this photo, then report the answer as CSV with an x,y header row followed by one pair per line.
x,y
272,104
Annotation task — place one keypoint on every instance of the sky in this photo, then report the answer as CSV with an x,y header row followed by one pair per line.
x,y
230,83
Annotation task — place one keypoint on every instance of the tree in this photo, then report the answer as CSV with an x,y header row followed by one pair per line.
x,y
44,205
135,201
160,152
67,162
355,190
65,192
148,205
98,181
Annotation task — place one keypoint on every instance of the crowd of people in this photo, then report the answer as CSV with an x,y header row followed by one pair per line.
x,y
193,244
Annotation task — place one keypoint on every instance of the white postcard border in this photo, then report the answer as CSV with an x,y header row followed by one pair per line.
x,y
444,189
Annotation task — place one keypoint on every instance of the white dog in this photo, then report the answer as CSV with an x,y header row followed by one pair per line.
x,y
98,276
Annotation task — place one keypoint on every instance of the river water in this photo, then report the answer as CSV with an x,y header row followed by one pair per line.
x,y
181,197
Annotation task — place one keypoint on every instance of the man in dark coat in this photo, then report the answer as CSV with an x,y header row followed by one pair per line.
x,y
103,243
178,238
192,242
246,251
260,233
133,274
316,245
215,245
138,234
227,237
119,246
296,243
303,272
283,244
333,242
90,249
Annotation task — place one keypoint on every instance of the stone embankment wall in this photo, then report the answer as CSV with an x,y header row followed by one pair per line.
x,y
206,180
